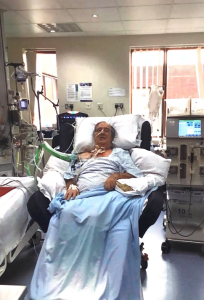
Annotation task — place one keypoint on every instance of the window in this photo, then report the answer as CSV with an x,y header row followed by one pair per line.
x,y
179,71
147,70
46,66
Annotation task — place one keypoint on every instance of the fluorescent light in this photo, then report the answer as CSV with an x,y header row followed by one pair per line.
x,y
94,16
52,30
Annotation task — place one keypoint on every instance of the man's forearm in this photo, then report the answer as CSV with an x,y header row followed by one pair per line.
x,y
123,175
68,182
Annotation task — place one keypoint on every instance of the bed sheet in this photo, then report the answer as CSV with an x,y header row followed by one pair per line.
x,y
14,215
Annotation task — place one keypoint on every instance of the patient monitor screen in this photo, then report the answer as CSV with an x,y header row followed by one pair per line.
x,y
189,128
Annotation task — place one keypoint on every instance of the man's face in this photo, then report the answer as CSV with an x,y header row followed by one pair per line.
x,y
102,135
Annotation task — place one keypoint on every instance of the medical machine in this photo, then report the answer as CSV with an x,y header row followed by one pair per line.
x,y
185,182
66,131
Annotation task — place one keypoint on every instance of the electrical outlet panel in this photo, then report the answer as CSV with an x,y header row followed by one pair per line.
x,y
88,105
69,106
100,105
119,105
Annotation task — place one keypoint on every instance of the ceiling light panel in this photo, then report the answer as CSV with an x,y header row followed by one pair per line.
x,y
87,3
60,27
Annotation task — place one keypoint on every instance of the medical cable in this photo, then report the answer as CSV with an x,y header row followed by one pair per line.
x,y
19,187
121,110
35,248
102,112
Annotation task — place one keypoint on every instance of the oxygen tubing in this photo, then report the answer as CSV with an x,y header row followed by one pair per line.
x,y
60,155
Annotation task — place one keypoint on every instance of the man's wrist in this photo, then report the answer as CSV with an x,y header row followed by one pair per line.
x,y
73,187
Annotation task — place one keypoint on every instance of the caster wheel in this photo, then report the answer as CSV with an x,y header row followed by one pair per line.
x,y
144,264
35,240
166,247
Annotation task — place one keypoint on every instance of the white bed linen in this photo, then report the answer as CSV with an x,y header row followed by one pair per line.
x,y
14,215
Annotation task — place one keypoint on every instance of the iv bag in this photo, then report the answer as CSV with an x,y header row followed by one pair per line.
x,y
155,99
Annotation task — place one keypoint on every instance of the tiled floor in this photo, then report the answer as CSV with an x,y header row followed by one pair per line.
x,y
178,275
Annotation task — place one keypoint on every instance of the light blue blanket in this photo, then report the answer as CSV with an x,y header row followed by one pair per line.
x,y
91,250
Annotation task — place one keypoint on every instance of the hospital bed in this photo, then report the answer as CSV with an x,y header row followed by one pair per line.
x,y
14,231
14,218
156,199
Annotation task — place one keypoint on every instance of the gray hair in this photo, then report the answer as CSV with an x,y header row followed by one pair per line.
x,y
113,132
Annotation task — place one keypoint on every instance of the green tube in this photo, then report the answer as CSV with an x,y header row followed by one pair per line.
x,y
28,169
63,156
46,146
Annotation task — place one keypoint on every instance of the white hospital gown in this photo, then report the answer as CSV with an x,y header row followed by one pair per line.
x,y
93,172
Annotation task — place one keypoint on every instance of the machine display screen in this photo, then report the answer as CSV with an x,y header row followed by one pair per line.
x,y
189,128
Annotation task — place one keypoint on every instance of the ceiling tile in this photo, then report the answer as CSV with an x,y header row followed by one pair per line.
x,y
187,10
185,23
35,4
145,12
105,27
26,35
22,28
105,33
87,3
150,31
3,6
141,2
85,15
188,1
11,17
145,25
184,30
46,16
57,34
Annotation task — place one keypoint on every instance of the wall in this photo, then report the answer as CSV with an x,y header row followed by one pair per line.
x,y
104,61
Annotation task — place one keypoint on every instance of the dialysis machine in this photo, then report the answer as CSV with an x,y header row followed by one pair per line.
x,y
185,182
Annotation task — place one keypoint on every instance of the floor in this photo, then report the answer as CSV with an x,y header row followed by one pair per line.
x,y
174,276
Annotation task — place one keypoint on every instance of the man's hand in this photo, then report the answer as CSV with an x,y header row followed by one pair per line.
x,y
71,193
111,182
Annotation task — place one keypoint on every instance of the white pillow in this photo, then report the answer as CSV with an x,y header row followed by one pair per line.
x,y
52,182
127,128
56,164
154,167
150,163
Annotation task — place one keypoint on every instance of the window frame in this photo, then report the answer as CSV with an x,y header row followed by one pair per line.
x,y
165,49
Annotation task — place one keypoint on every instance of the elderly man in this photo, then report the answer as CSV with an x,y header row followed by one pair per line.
x,y
91,249
101,167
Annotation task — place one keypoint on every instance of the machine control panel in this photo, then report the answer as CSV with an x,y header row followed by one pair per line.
x,y
185,148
